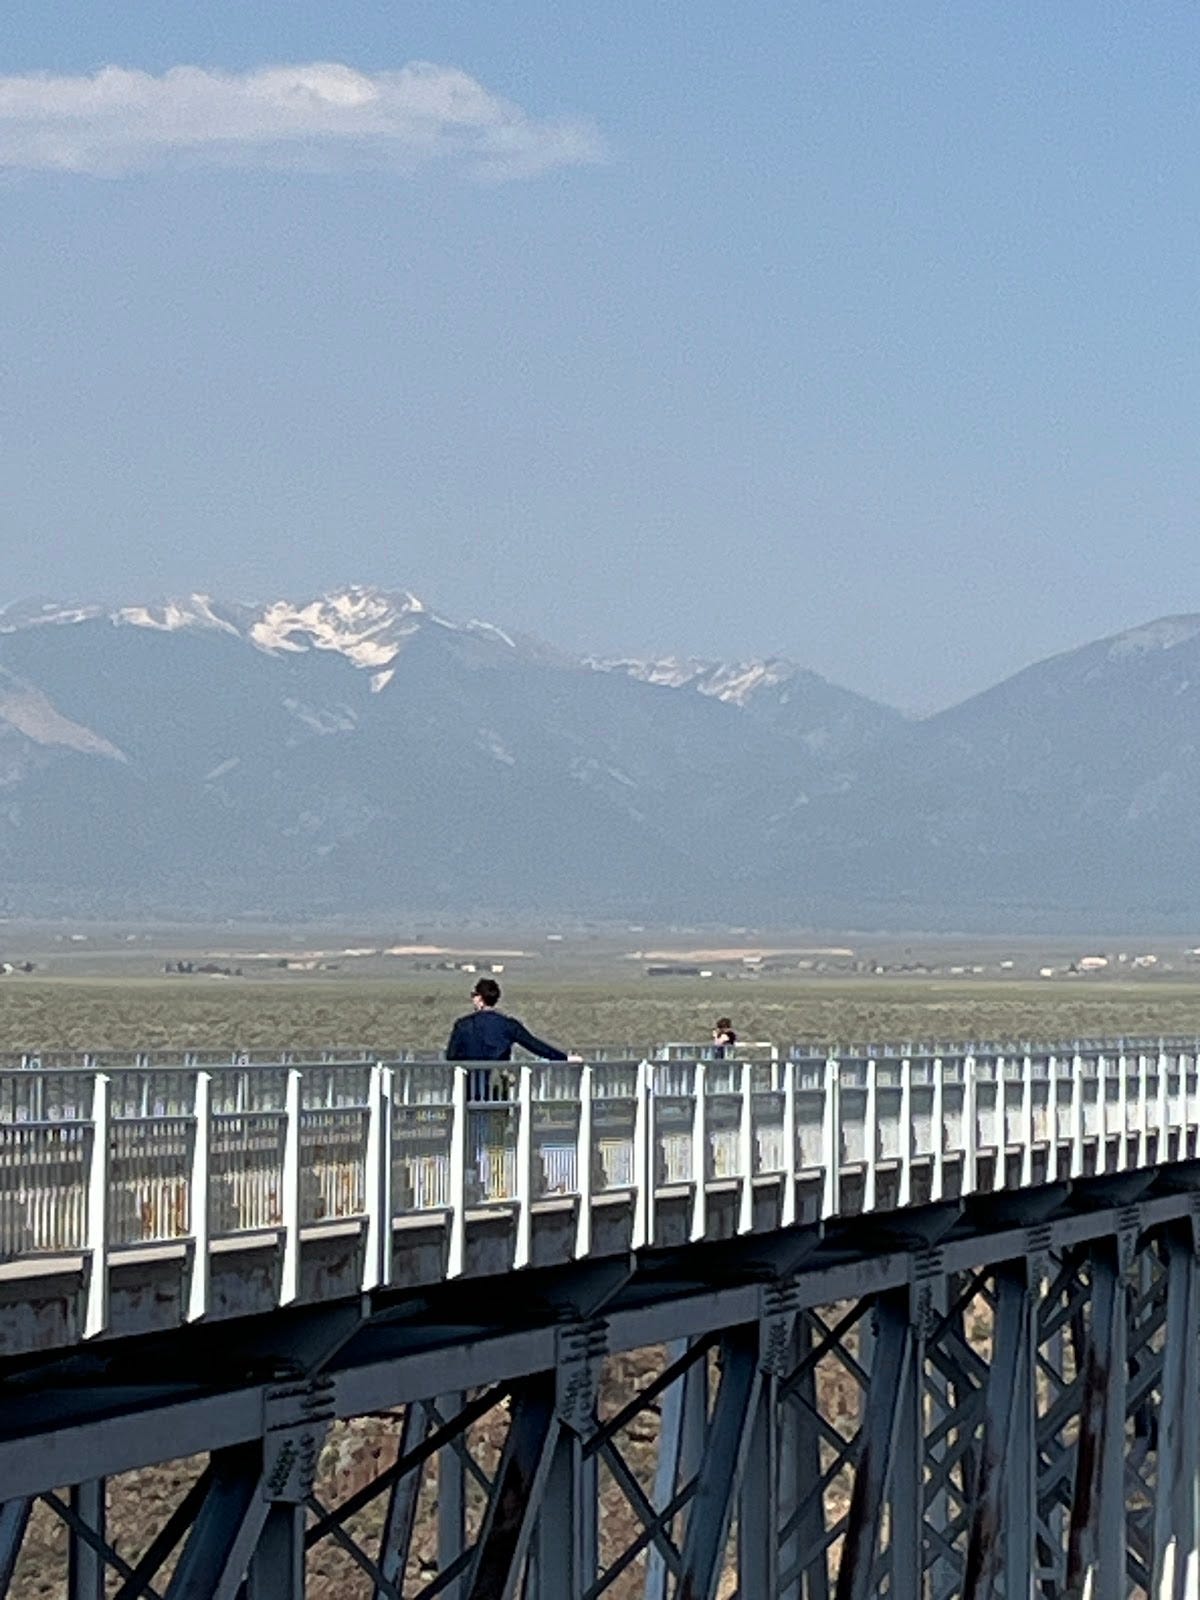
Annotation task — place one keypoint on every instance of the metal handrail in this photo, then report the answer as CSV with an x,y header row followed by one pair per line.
x,y
142,1155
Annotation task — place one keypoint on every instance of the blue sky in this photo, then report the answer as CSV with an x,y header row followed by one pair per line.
x,y
862,333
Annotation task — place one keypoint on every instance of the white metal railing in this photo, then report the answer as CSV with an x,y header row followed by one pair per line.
x,y
96,1162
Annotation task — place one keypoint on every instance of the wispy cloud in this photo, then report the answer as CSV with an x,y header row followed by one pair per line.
x,y
320,116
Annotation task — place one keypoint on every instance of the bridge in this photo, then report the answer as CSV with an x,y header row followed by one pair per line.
x,y
913,1321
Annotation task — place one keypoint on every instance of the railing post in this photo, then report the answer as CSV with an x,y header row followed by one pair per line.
x,y
1123,1111
746,1151
871,1137
970,1126
200,1199
904,1189
1077,1109
699,1151
95,1318
523,1248
456,1257
831,1139
289,1284
583,1164
1052,1117
1143,1110
1027,1122
377,1252
643,1161
937,1132
787,1216
1000,1174
1162,1144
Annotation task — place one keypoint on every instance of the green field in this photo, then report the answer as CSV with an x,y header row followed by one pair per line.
x,y
99,1014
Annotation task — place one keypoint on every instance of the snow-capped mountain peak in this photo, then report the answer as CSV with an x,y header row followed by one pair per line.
x,y
195,611
734,682
1165,634
367,626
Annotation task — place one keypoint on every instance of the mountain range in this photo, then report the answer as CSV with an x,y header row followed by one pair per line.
x,y
359,753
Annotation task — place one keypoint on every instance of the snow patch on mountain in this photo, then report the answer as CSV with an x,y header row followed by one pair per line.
x,y
196,611
45,613
1166,634
364,625
734,682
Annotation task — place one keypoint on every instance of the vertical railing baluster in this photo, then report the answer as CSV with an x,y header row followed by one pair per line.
x,y
1143,1109
1052,1116
871,1137
937,1132
523,1246
970,1126
1162,1143
199,1200
96,1309
456,1255
1027,1121
643,1160
378,1222
1077,1114
787,1215
583,1164
699,1225
289,1278
746,1151
904,1192
831,1139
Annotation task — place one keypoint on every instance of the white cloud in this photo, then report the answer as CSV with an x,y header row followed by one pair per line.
x,y
321,116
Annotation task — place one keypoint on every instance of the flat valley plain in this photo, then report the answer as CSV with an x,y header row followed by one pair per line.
x,y
415,1011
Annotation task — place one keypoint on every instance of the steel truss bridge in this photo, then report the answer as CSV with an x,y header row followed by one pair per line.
x,y
922,1324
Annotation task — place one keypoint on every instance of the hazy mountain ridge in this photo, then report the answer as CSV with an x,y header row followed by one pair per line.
x,y
359,751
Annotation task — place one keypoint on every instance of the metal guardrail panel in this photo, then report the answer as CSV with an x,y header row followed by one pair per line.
x,y
151,1151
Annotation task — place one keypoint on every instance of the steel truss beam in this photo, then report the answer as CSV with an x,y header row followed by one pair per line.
x,y
1025,1427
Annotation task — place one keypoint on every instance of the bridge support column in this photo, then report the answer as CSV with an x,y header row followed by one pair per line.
x,y
1176,1571
882,1417
558,1559
907,1497
758,1538
564,1558
1000,1542
85,1568
517,1491
277,1565
395,1539
733,1418
226,1530
803,1563
14,1519
1096,1553
452,1499
680,1447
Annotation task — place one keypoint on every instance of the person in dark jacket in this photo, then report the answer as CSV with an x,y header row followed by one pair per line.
x,y
486,1034
724,1039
